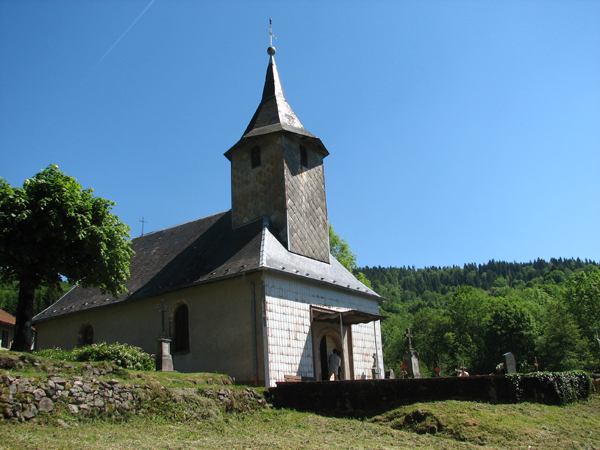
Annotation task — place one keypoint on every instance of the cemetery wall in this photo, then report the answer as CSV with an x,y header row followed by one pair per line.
x,y
368,397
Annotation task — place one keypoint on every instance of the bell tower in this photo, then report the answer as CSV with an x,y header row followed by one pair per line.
x,y
277,171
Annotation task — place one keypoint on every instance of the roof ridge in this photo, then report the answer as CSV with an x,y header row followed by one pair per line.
x,y
181,224
262,260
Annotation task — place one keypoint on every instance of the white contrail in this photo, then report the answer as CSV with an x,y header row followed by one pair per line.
x,y
102,59
126,31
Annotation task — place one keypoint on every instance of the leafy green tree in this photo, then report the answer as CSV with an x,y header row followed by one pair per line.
x,y
469,314
582,296
52,228
511,329
559,345
393,332
434,340
340,249
9,293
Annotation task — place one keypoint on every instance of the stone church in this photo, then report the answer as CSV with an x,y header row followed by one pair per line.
x,y
252,292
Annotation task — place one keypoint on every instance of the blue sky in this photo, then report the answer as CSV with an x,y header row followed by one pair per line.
x,y
458,131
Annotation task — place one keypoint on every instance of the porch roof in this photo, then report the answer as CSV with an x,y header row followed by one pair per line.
x,y
349,317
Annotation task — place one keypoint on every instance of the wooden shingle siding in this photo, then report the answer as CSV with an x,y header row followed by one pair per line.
x,y
289,337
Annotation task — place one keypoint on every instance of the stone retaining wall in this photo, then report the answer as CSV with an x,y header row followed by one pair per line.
x,y
22,399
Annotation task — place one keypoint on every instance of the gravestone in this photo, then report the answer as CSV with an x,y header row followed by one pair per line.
x,y
411,356
164,360
510,365
375,368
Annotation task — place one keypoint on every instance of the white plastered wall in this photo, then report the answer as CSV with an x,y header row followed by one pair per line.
x,y
288,332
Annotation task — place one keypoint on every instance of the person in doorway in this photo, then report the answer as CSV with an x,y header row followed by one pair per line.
x,y
340,364
335,363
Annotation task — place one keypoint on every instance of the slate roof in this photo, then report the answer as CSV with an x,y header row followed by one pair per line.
x,y
203,251
275,114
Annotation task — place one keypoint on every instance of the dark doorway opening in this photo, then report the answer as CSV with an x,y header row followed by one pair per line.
x,y
324,359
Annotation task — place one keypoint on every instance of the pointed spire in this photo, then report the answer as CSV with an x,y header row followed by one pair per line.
x,y
274,112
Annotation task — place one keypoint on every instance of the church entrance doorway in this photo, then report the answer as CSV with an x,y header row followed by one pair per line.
x,y
328,343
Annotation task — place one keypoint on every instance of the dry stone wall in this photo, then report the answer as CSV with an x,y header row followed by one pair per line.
x,y
23,399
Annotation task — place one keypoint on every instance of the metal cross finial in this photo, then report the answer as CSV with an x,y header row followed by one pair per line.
x,y
143,222
270,31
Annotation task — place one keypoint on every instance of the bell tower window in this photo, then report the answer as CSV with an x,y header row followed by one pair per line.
x,y
255,156
303,157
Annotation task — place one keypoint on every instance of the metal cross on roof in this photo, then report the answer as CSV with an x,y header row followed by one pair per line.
x,y
143,222
270,31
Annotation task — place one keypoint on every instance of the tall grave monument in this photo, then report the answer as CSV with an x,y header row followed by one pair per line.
x,y
411,358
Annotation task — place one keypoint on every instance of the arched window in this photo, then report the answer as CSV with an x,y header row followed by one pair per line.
x,y
86,335
181,335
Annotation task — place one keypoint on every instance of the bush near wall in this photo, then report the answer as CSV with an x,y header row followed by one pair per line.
x,y
371,397
123,355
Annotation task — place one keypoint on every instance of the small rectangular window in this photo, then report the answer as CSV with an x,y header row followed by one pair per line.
x,y
303,156
255,156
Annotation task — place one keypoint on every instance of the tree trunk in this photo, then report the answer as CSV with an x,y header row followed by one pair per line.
x,y
23,333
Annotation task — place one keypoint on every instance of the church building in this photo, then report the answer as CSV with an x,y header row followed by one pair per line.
x,y
252,292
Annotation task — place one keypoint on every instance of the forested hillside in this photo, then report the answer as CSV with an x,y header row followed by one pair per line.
x,y
44,297
472,315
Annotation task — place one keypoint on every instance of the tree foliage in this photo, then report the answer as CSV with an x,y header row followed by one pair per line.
x,y
52,228
340,249
544,311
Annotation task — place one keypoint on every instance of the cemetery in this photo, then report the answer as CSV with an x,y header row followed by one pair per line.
x,y
365,398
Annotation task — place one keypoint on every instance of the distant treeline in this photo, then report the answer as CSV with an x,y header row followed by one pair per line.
x,y
392,282
472,315
44,296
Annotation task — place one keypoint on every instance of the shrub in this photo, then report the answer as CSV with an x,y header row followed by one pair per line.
x,y
123,355
550,387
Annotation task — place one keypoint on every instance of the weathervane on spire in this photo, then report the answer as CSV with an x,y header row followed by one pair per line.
x,y
271,50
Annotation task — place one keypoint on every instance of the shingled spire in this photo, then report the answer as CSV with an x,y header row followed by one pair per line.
x,y
277,171
274,112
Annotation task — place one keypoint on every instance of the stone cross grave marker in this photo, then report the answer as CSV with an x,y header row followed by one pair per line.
x,y
412,356
164,360
409,336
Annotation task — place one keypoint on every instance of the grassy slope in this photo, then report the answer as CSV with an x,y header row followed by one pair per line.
x,y
461,425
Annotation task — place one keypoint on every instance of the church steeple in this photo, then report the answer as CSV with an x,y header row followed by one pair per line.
x,y
274,112
277,171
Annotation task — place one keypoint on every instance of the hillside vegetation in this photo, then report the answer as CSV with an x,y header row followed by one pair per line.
x,y
191,411
544,312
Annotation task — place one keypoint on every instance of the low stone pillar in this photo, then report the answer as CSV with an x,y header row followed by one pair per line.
x,y
164,360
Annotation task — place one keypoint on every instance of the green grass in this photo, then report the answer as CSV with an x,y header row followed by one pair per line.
x,y
467,425
457,425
